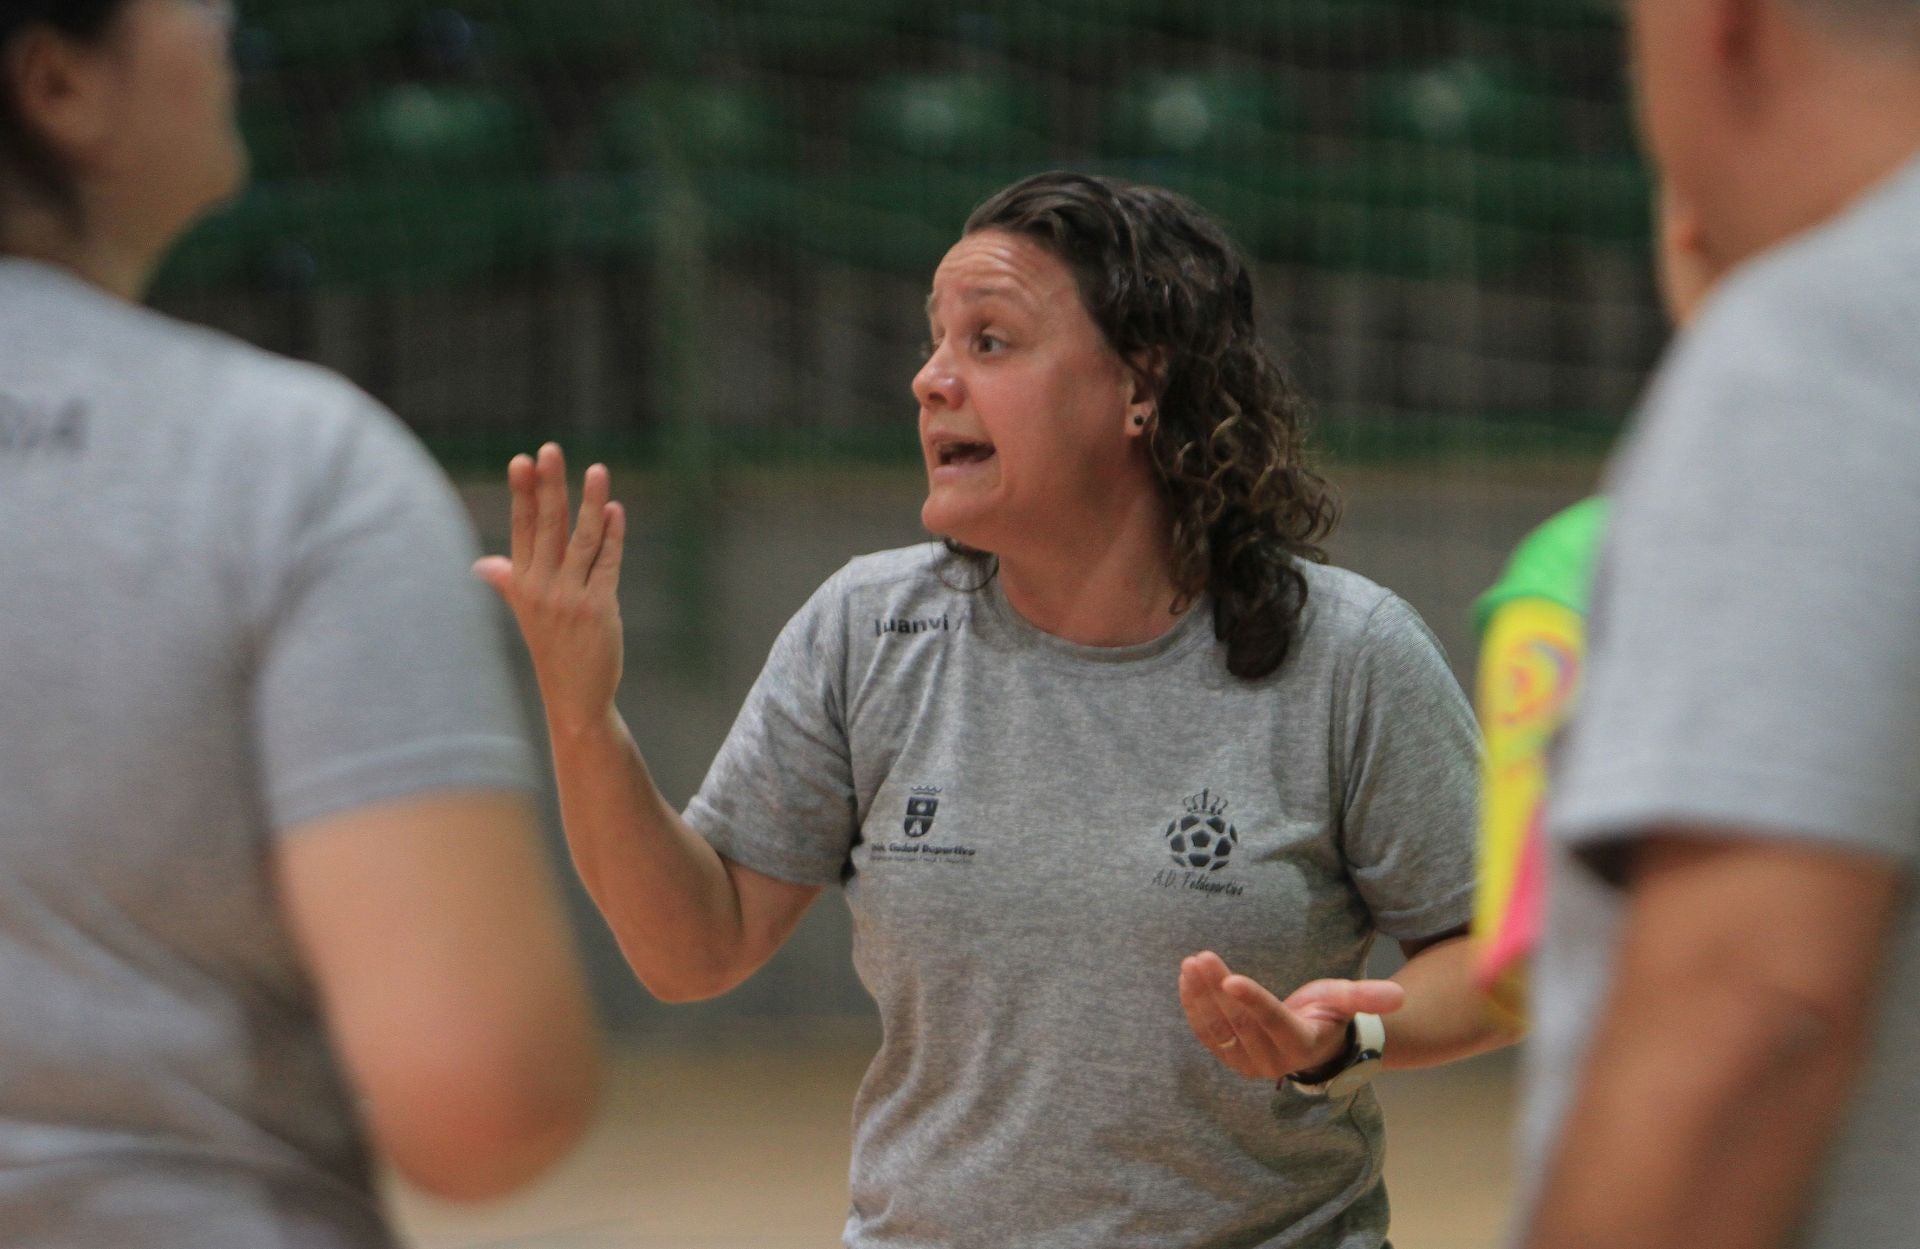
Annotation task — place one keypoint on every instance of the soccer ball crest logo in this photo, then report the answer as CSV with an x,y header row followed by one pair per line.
x,y
1201,839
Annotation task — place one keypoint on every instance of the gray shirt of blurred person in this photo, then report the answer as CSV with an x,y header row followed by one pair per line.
x,y
236,604
1756,676
270,893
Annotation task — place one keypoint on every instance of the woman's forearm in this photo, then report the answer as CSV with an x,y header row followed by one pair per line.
x,y
1445,1017
664,891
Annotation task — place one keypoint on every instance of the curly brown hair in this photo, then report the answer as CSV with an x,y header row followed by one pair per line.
x,y
1174,299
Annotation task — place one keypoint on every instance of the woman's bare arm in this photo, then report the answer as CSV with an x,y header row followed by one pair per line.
x,y
691,923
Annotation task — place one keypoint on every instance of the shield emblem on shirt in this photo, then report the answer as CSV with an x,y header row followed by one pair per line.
x,y
920,813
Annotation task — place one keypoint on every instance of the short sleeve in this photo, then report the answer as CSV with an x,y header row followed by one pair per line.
x,y
380,670
1408,823
1555,562
1756,640
779,798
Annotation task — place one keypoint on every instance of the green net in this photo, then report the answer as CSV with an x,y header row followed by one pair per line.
x,y
694,237
679,227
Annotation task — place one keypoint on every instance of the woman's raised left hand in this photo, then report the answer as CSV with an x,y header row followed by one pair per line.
x,y
1264,1038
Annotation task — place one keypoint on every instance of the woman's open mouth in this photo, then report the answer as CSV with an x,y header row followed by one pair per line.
x,y
961,453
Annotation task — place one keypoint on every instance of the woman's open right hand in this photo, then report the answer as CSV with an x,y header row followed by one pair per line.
x,y
562,586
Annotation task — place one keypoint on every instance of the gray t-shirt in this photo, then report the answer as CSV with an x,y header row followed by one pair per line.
x,y
1032,834
233,598
1756,646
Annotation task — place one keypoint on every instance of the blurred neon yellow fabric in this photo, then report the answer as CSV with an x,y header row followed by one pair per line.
x,y
1532,625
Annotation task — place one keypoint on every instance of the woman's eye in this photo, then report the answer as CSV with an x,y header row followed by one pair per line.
x,y
927,349
988,343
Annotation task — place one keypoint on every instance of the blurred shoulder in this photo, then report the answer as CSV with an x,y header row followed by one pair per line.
x,y
231,391
1796,382
287,399
1845,291
292,421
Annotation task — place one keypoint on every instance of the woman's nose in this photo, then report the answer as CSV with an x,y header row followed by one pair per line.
x,y
936,384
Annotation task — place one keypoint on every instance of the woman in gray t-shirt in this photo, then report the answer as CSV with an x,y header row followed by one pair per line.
x,y
1123,730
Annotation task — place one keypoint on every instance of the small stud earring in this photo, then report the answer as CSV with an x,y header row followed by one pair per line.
x,y
1139,420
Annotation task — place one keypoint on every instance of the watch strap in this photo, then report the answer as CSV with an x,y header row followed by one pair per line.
x,y
1366,1047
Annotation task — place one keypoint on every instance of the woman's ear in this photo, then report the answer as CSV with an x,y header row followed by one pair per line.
x,y
1148,369
62,94
1145,375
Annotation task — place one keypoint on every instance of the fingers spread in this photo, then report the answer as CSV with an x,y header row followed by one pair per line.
x,y
526,508
604,578
585,544
550,523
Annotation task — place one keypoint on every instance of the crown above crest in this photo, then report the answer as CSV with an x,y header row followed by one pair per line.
x,y
926,791
1206,802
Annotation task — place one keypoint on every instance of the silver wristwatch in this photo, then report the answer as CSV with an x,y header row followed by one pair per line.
x,y
1350,1073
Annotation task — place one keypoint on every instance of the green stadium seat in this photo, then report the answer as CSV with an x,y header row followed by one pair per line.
x,y
1465,104
949,118
901,220
1425,218
728,143
1473,141
441,188
362,237
442,185
396,234
1420,243
1229,140
1204,119
703,124
428,131
925,151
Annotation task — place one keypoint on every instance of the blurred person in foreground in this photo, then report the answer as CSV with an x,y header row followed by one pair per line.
x,y
1124,732
1729,984
1533,628
269,881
